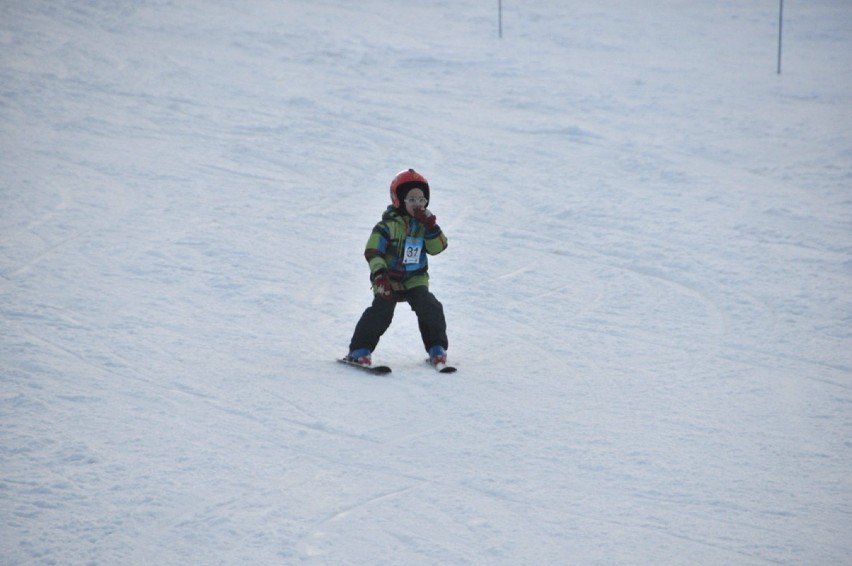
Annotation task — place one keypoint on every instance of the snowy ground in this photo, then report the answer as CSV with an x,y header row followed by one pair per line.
x,y
648,284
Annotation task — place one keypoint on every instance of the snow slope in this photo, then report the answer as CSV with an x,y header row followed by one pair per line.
x,y
648,284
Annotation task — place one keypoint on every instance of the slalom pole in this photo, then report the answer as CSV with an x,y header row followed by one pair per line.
x,y
500,19
780,26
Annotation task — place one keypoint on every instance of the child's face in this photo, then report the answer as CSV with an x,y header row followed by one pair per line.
x,y
414,200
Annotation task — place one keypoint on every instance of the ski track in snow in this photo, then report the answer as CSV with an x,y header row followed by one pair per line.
x,y
647,284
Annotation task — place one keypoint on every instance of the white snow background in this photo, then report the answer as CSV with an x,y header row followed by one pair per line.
x,y
648,284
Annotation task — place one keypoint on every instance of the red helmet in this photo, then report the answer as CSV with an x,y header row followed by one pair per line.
x,y
404,182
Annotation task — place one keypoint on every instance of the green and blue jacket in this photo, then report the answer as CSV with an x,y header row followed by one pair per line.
x,y
400,245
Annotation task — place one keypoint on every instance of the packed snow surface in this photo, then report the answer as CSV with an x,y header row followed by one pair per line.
x,y
648,283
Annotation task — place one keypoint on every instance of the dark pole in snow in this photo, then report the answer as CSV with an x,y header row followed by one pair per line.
x,y
500,18
780,25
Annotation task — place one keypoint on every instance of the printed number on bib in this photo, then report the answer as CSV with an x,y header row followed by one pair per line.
x,y
413,249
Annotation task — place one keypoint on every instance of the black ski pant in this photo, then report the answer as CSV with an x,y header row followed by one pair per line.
x,y
378,317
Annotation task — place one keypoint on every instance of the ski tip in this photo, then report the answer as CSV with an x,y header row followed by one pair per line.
x,y
375,370
441,368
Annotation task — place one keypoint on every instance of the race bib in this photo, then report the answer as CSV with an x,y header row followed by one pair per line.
x,y
413,249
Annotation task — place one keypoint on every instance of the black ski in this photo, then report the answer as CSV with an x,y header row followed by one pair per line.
x,y
375,370
441,368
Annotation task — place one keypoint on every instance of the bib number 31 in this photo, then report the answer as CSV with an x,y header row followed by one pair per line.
x,y
413,250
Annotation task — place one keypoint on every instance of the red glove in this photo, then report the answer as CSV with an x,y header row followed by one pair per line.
x,y
427,218
383,286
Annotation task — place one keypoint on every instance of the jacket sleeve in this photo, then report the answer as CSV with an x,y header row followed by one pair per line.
x,y
377,245
436,240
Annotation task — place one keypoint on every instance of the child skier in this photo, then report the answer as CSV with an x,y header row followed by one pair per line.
x,y
396,253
